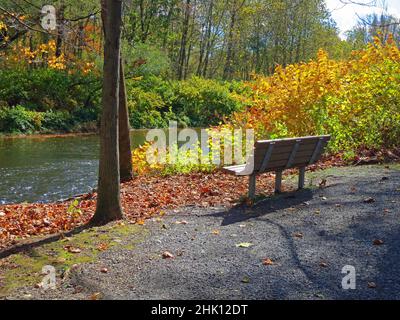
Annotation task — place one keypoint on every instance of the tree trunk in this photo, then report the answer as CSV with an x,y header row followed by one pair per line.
x,y
108,193
60,30
125,153
182,51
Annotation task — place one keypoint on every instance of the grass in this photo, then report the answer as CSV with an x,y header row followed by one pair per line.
x,y
25,269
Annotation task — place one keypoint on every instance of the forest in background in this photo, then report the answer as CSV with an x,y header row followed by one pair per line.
x,y
185,60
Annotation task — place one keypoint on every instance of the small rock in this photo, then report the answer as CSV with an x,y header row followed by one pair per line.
x,y
371,285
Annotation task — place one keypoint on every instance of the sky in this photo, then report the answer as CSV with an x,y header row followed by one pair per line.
x,y
346,15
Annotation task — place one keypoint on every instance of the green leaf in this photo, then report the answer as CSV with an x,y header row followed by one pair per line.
x,y
244,245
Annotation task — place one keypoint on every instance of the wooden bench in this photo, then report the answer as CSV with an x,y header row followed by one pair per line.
x,y
278,155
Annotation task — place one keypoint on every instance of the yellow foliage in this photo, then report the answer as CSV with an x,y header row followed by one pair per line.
x,y
328,96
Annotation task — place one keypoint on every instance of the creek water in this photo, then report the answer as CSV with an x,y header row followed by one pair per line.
x,y
43,169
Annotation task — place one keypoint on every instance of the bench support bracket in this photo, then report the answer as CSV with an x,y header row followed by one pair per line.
x,y
302,173
278,181
252,186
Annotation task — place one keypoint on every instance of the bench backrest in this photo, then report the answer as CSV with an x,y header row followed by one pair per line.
x,y
280,154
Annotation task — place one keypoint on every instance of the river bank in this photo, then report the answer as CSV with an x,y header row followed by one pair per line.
x,y
46,135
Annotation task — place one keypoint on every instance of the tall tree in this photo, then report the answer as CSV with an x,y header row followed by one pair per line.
x,y
108,197
125,153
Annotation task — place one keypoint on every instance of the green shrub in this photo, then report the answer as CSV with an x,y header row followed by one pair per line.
x,y
20,120
196,102
205,102
47,89
47,100
57,121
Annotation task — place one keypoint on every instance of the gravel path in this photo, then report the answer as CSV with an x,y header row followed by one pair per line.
x,y
309,236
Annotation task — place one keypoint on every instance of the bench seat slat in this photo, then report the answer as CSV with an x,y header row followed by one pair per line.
x,y
281,164
283,156
292,140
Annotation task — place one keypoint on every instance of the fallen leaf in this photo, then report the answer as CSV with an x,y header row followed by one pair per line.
x,y
167,255
378,242
102,246
246,279
216,232
95,296
298,235
61,260
181,222
369,200
103,270
322,183
244,245
371,285
323,264
267,262
72,249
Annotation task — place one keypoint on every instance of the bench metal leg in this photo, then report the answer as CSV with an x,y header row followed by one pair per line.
x,y
302,173
278,181
252,186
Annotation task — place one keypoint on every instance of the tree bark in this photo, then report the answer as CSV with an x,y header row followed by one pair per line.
x,y
108,193
182,51
125,153
60,29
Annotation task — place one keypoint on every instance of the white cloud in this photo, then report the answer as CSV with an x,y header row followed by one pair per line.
x,y
346,15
